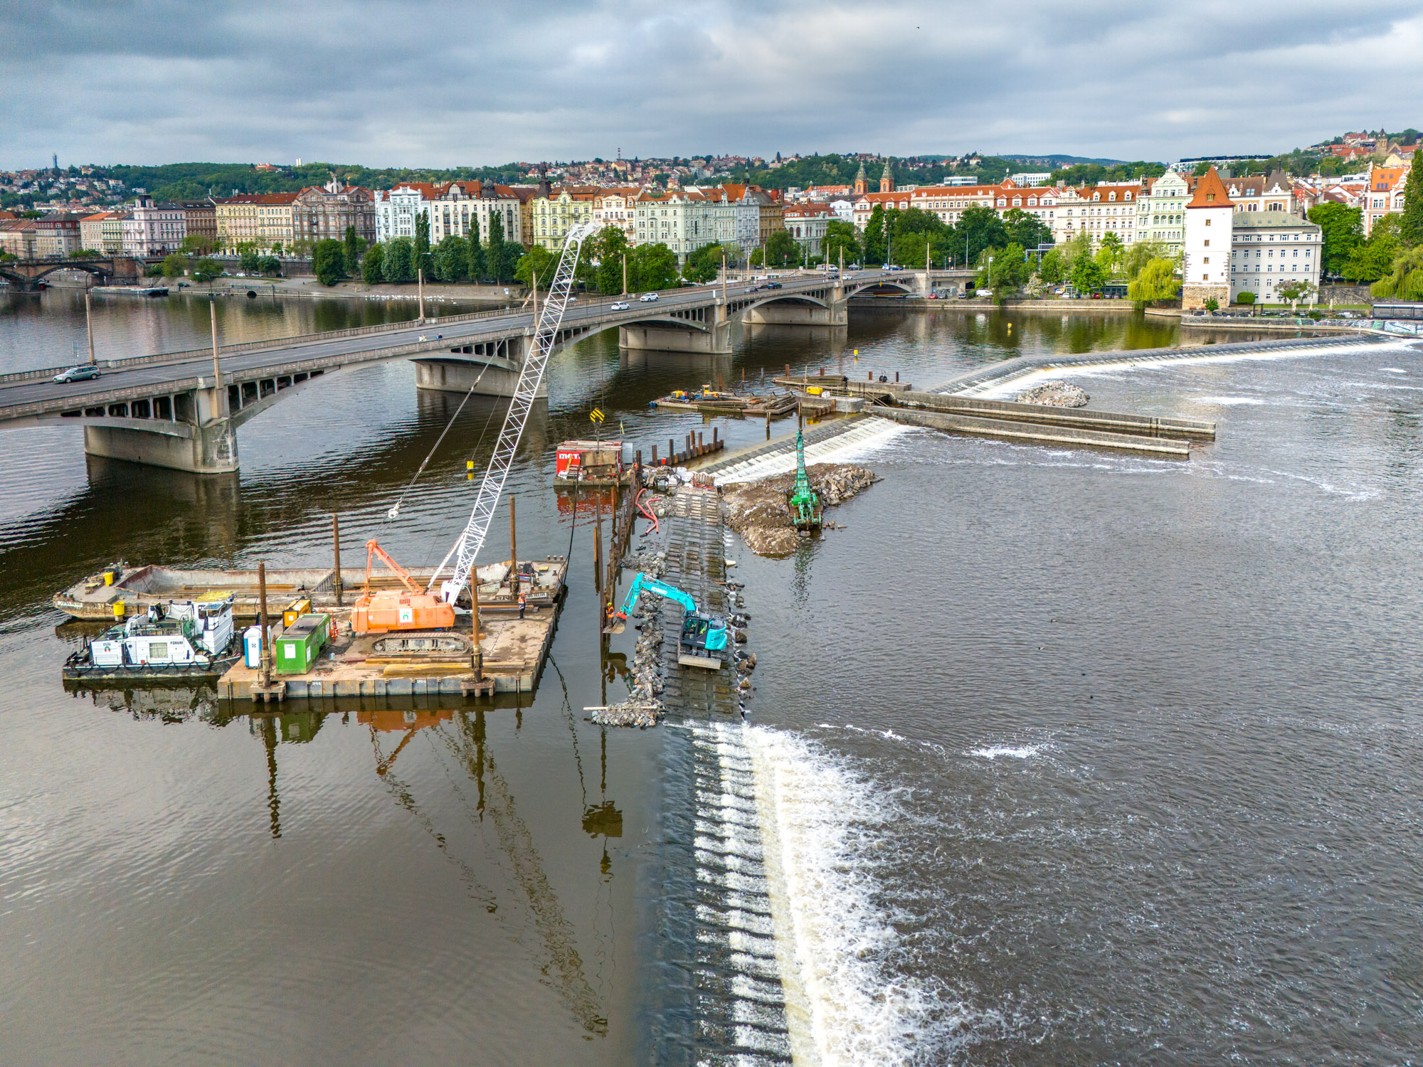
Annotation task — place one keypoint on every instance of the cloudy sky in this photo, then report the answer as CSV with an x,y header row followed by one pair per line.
x,y
420,82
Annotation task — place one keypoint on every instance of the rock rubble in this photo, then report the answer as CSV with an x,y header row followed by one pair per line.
x,y
758,511
1054,394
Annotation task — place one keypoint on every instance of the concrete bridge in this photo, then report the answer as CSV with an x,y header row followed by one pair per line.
x,y
28,273
181,410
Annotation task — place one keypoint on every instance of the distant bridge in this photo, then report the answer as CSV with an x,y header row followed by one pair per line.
x,y
28,273
173,410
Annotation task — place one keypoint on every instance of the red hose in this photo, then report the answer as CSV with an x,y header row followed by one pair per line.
x,y
637,501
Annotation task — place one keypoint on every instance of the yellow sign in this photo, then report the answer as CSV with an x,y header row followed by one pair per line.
x,y
596,415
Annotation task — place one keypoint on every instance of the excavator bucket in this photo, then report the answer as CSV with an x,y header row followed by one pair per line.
x,y
615,625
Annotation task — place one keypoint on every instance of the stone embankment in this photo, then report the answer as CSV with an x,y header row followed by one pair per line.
x,y
758,511
1054,394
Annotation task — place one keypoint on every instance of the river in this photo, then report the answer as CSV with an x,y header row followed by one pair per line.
x,y
1055,757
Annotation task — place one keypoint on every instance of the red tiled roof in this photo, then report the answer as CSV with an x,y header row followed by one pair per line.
x,y
1210,192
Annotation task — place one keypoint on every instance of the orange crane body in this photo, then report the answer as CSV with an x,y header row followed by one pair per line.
x,y
385,610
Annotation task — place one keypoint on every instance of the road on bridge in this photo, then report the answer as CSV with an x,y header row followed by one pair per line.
x,y
182,375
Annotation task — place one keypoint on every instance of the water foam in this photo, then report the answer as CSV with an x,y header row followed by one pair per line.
x,y
992,752
819,826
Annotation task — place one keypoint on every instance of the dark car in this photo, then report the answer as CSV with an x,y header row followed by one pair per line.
x,y
773,285
82,373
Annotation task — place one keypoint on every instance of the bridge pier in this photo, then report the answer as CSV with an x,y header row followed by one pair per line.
x,y
704,335
791,313
203,443
490,368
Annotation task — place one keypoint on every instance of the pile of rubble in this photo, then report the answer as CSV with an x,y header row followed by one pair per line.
x,y
759,513
1054,394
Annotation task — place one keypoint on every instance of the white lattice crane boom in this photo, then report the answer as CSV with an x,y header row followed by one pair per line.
x,y
550,318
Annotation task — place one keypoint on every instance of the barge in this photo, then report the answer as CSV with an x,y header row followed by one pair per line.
x,y
512,647
187,640
710,401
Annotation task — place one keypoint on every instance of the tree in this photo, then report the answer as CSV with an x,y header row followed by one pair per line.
x,y
399,260
196,244
248,261
783,250
451,259
1294,292
1026,229
1245,297
174,266
652,266
875,242
474,260
422,240
494,250
1087,275
1005,272
978,228
1052,268
1374,258
538,262
840,237
704,264
1138,255
1109,254
328,261
909,249
354,247
1410,223
1211,304
1405,281
1154,283
1343,232
86,253
600,264
206,269
373,265
269,266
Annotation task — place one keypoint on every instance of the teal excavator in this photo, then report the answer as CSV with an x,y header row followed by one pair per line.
x,y
803,500
704,636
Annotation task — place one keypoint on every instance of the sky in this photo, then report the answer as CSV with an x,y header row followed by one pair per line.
x,y
427,83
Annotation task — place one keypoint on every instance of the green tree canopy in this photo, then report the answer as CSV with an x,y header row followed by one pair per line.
x,y
399,263
1154,283
978,228
704,264
175,265
474,260
538,262
495,258
841,238
207,269
1109,252
1139,254
1026,229
328,261
910,248
600,263
421,249
373,265
248,260
1343,232
451,259
1294,292
1405,280
1374,258
1410,223
652,266
783,250
354,246
875,241
1087,275
269,266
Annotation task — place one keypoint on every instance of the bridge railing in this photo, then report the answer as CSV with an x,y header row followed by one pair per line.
x,y
161,358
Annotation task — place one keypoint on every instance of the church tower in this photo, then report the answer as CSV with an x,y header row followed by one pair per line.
x,y
886,180
862,181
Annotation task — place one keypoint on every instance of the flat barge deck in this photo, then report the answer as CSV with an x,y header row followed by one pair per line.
x,y
512,652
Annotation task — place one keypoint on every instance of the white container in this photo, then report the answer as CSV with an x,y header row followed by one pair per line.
x,y
252,646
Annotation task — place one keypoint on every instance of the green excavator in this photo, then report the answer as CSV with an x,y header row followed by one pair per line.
x,y
803,500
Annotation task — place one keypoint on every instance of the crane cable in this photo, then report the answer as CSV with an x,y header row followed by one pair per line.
x,y
394,512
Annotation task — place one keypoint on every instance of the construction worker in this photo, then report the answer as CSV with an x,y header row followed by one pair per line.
x,y
523,603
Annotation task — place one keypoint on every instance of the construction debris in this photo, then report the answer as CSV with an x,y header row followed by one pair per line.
x,y
1054,394
758,511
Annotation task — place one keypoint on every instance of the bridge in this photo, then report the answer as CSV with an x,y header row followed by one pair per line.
x,y
181,410
29,273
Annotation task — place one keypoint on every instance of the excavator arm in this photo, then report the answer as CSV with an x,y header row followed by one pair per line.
x,y
374,550
641,583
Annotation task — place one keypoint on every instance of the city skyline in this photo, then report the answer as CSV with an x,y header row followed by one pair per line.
x,y
148,81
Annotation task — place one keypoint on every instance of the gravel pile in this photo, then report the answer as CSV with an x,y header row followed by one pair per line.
x,y
643,707
1054,394
759,513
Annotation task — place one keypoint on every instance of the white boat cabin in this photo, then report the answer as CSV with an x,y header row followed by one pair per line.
x,y
176,633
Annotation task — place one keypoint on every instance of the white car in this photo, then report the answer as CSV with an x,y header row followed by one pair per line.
x,y
621,306
647,298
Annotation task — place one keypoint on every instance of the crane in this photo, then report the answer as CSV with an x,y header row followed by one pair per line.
x,y
704,636
550,318
393,609
803,500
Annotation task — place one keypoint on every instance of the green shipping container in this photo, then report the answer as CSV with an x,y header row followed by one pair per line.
x,y
298,646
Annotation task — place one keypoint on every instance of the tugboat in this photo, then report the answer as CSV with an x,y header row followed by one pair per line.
x,y
182,639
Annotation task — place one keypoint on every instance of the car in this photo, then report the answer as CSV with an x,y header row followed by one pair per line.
x,y
621,305
82,373
647,298
773,285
